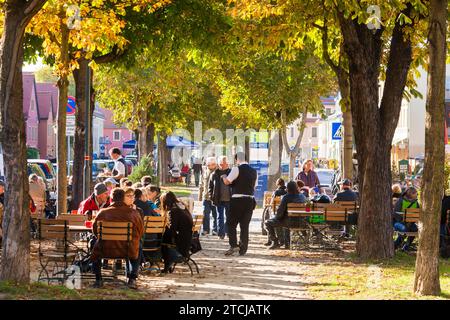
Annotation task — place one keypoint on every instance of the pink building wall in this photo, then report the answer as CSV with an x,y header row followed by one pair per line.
x,y
108,132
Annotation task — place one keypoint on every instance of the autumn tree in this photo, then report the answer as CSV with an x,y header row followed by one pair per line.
x,y
427,263
15,262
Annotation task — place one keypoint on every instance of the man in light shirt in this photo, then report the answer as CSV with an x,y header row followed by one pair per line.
x,y
242,180
120,169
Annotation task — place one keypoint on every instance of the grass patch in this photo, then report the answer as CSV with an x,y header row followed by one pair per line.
x,y
351,278
41,291
178,190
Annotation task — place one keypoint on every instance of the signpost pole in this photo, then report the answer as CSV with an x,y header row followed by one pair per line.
x,y
87,168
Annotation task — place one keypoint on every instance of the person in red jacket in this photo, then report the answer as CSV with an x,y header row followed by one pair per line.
x,y
96,201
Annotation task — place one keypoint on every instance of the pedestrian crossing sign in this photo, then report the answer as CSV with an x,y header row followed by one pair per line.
x,y
337,131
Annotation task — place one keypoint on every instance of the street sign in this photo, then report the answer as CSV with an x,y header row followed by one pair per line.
x,y
71,105
403,166
70,126
337,131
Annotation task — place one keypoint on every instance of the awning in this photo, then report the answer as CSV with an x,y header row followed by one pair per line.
x,y
180,142
130,144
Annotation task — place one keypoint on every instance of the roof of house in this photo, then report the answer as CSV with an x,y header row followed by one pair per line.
x,y
45,103
29,88
50,87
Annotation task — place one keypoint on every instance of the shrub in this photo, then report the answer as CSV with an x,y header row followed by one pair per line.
x,y
144,168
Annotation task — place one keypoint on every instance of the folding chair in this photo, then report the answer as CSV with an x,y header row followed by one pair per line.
x,y
114,231
154,228
298,228
55,260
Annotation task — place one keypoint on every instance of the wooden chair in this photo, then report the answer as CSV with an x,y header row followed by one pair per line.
x,y
55,260
114,231
320,206
73,219
410,215
154,227
298,227
351,206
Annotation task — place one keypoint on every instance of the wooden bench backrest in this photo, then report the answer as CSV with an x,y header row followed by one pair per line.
x,y
320,206
198,222
350,205
154,225
276,203
411,215
52,229
73,219
335,213
267,198
116,231
297,210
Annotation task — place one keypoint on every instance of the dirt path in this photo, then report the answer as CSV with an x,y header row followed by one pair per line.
x,y
260,274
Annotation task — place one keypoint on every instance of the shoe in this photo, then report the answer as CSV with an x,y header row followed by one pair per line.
x,y
275,245
214,233
204,233
231,251
268,243
132,284
222,237
98,284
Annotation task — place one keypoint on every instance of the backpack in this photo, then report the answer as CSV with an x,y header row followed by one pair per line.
x,y
122,160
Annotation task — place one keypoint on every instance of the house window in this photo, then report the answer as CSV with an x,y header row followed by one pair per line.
x,y
314,115
116,136
314,132
292,132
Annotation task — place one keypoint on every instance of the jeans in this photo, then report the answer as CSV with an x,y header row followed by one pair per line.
x,y
197,178
209,208
170,256
223,211
401,227
271,225
131,266
241,211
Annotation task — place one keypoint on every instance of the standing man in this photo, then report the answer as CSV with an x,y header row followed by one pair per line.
x,y
220,194
120,168
203,194
198,170
243,180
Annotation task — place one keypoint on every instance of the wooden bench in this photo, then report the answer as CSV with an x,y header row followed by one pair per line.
x,y
410,215
154,227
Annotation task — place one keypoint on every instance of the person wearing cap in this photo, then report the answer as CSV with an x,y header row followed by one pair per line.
x,y
203,195
243,180
110,184
347,194
146,180
96,201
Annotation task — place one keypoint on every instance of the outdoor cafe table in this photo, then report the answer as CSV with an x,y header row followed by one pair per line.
x,y
316,229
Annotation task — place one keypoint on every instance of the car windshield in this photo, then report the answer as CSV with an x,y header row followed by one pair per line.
x,y
325,177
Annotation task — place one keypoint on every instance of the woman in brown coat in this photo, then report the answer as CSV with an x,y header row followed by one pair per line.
x,y
118,212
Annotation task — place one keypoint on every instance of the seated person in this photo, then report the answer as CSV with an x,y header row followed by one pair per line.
x,y
281,189
406,201
96,201
140,200
153,195
347,194
302,188
119,211
281,217
396,194
178,235
146,180
321,197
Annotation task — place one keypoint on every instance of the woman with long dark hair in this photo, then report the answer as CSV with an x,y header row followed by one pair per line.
x,y
178,235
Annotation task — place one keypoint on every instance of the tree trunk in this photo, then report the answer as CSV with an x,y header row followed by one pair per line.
x,y
142,133
150,139
91,132
426,278
79,76
163,159
275,154
63,86
15,262
294,152
374,126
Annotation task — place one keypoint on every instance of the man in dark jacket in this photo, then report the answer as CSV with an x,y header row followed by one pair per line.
x,y
281,217
347,193
118,212
2,193
220,195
